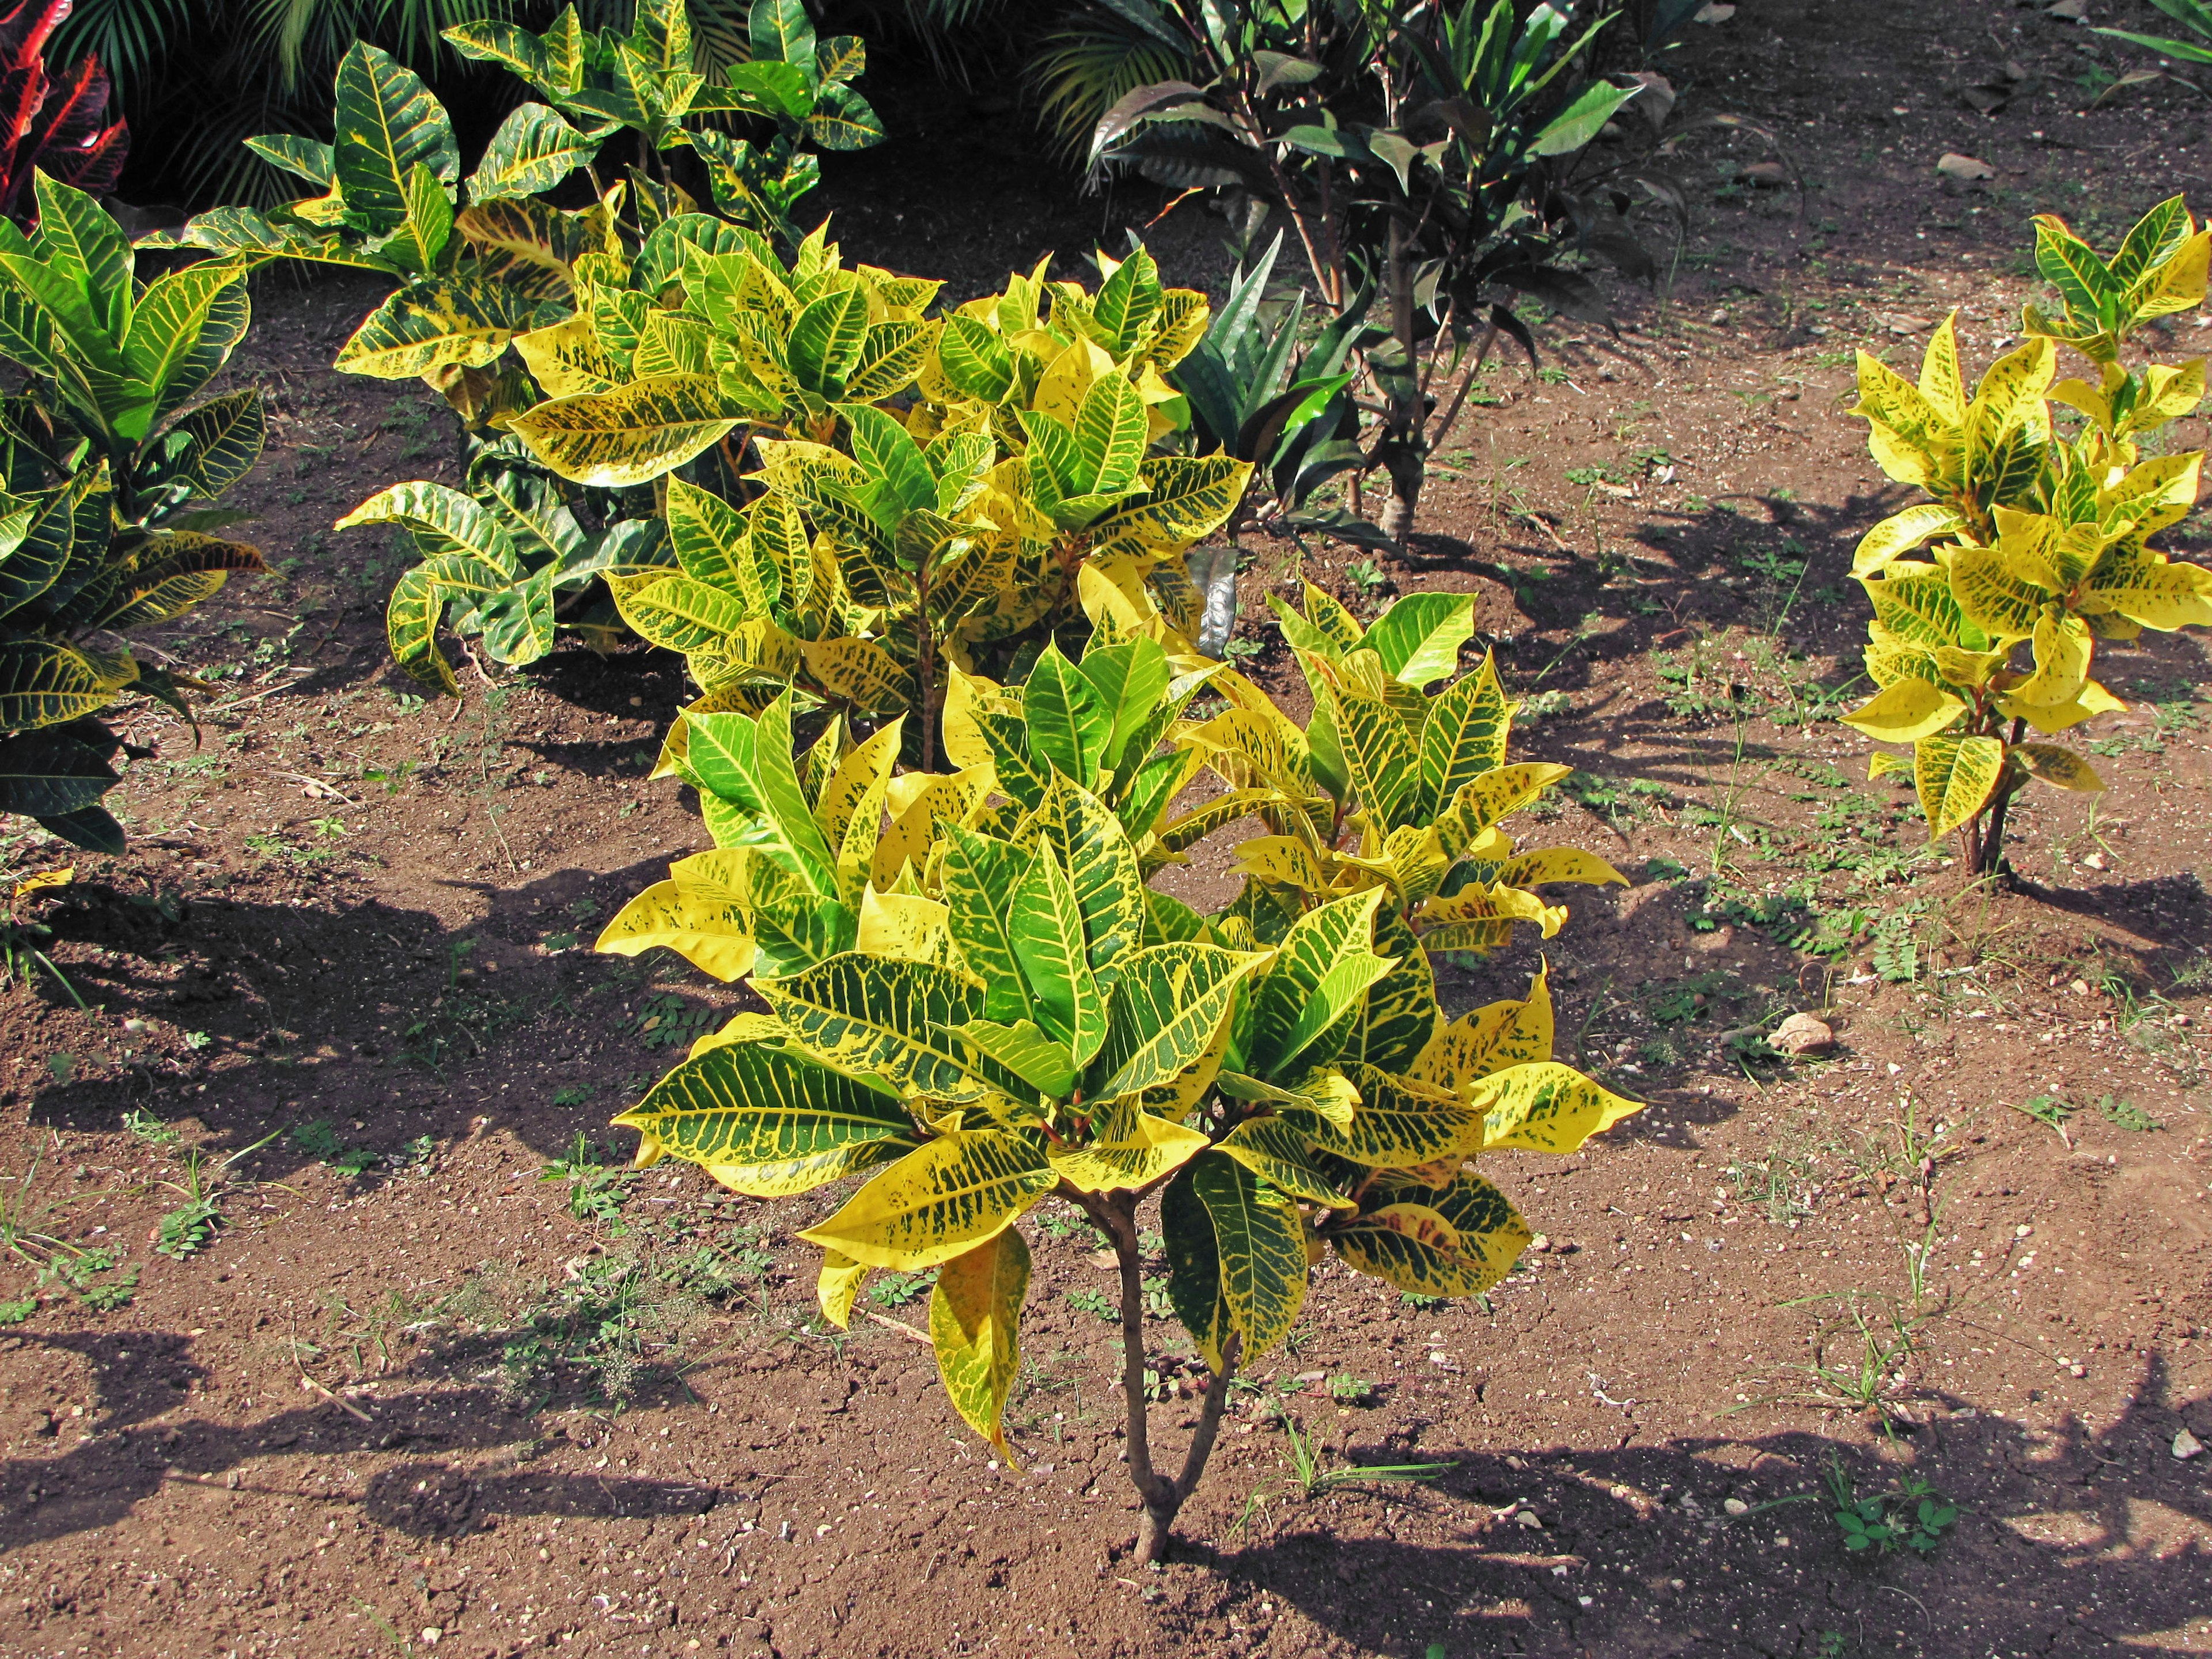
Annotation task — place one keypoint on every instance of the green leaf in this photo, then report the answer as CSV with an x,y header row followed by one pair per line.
x,y
1167,1004
79,240
1109,888
843,120
47,682
825,343
442,520
1027,1052
714,546
1464,737
1130,680
1262,1246
179,318
1276,1153
1046,929
750,762
974,1324
1399,1123
780,31
226,434
1574,126
938,1202
387,121
302,157
1110,438
1068,725
51,774
766,1119
1322,967
533,151
92,827
1419,637
1193,1257
874,1016
981,874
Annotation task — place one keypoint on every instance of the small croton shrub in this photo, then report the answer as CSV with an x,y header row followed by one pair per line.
x,y
971,998
2040,540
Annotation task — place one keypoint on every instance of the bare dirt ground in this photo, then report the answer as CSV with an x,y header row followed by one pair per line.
x,y
402,1393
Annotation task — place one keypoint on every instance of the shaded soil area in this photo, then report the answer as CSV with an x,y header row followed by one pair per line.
x,y
386,1359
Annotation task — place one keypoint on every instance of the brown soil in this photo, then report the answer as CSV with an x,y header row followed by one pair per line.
x,y
326,1434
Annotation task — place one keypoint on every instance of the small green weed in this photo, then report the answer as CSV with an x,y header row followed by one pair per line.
x,y
2126,1114
1089,1299
596,1191
1908,1515
895,1289
664,1021
1311,1480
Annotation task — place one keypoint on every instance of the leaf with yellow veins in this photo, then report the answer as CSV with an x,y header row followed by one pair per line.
x,y
1990,596
1905,711
1165,1011
1134,1149
1900,533
1262,1240
939,1201
1397,1124
1542,1106
767,1120
1278,1154
974,1326
1457,1241
711,934
2061,768
2093,700
839,1284
1955,776
870,1015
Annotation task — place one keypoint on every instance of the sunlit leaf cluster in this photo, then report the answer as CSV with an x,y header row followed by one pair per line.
x,y
1991,597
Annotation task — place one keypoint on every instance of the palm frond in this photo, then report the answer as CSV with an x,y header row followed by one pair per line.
x,y
1083,68
132,38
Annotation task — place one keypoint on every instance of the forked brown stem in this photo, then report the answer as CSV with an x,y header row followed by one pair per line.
x,y
1163,1499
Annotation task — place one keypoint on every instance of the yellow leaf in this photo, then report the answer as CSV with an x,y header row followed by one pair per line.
x,y
2062,645
1488,1039
839,1284
713,936
1542,1106
1559,864
44,880
1134,1149
1941,383
2061,768
1905,711
905,928
1281,858
1880,764
975,1325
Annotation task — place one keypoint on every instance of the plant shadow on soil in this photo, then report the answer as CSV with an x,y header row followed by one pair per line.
x,y
1358,1588
1977,1464
367,1014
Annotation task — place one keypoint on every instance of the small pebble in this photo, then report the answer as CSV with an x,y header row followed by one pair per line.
x,y
2187,1445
